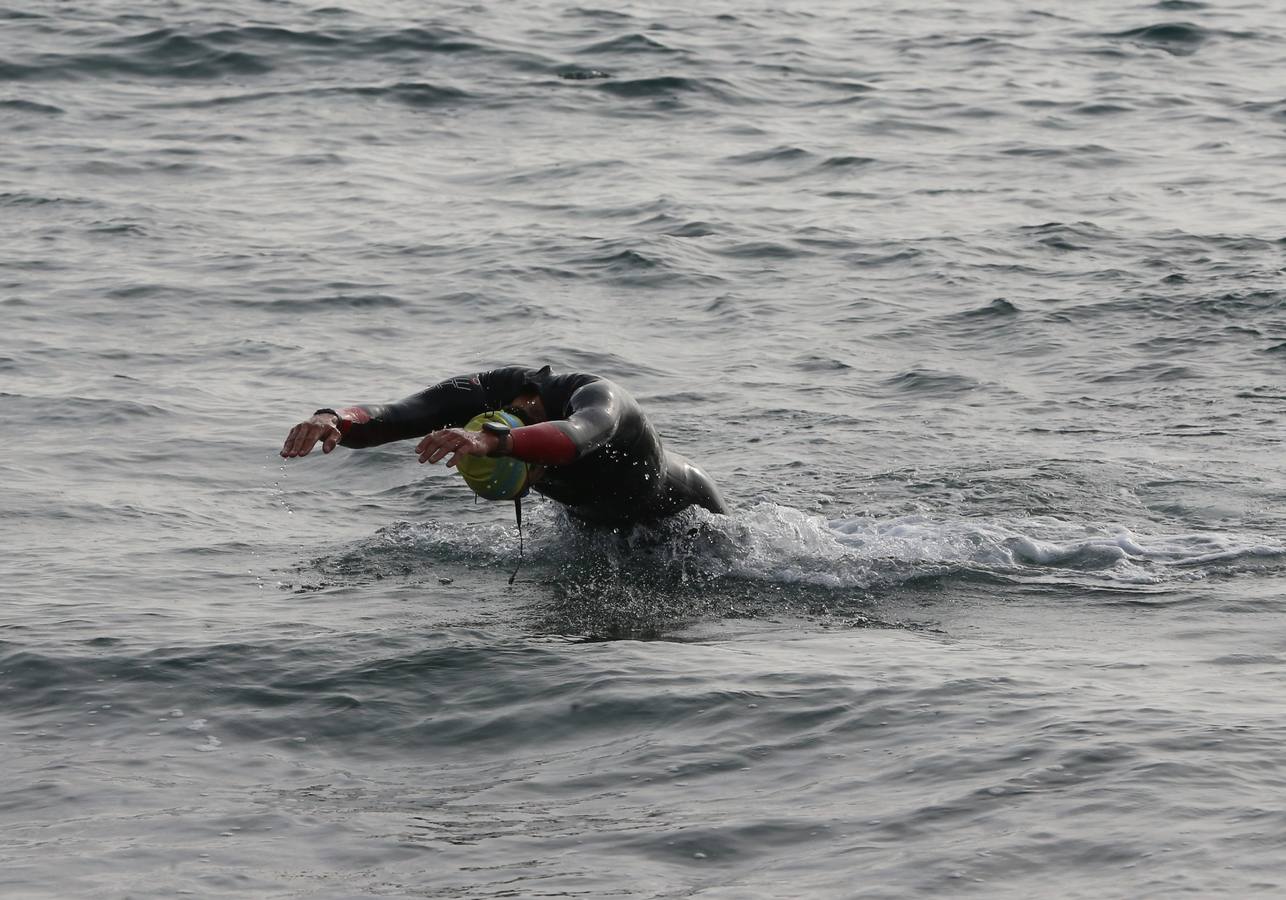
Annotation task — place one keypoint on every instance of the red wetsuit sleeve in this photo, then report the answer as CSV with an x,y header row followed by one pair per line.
x,y
353,415
545,443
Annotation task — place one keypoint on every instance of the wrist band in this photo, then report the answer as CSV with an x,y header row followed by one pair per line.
x,y
340,422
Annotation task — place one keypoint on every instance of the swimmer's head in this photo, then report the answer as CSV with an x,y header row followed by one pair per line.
x,y
494,477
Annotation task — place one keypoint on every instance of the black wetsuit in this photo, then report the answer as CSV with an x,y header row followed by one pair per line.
x,y
620,473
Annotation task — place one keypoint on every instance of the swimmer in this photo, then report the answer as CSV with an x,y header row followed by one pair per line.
x,y
578,439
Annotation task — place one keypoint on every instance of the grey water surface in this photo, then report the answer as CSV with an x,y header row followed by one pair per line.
x,y
974,311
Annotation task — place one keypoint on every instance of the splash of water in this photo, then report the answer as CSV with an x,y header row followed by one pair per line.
x,y
779,544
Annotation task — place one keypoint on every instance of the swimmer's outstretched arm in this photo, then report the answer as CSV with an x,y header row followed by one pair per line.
x,y
595,413
451,402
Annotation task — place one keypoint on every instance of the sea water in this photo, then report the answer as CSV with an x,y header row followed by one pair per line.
x,y
974,312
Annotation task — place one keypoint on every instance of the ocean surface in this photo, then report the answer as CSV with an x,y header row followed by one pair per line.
x,y
974,311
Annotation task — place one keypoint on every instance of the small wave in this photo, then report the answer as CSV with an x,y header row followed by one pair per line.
x,y
577,73
571,171
624,261
409,93
138,291
1148,372
839,84
208,65
422,39
998,308
665,87
606,15
1175,38
763,250
902,125
1102,109
364,694
161,53
79,410
118,227
692,230
1082,156
196,54
1085,230
1238,306
629,43
328,301
642,267
1070,236
776,154
1170,32
925,381
22,198
273,35
847,162
165,43
29,106
822,364
867,259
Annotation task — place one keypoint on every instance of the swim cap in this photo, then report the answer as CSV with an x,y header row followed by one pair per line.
x,y
494,477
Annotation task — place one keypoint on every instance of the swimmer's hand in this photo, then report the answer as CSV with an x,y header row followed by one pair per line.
x,y
304,436
457,442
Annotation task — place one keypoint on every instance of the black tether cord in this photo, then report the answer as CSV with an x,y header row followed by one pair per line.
x,y
518,516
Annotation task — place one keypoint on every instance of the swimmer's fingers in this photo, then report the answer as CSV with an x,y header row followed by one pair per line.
x,y
299,441
288,444
304,436
308,436
328,433
437,444
474,444
452,442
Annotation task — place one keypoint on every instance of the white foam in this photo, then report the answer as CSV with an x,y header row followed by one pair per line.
x,y
787,544
781,544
